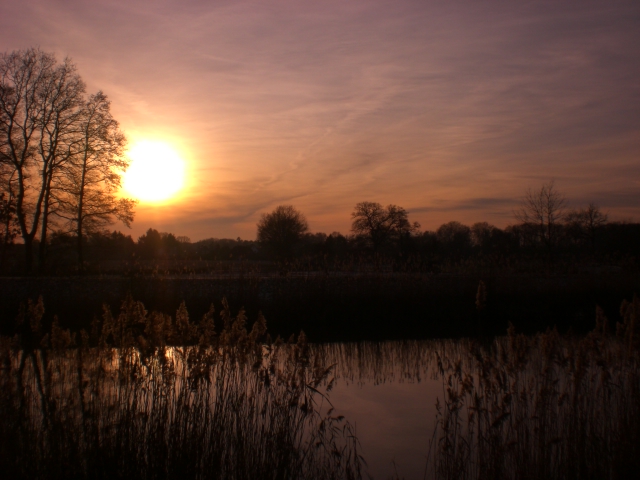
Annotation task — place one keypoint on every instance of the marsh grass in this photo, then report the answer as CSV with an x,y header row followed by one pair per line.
x,y
147,395
377,363
542,407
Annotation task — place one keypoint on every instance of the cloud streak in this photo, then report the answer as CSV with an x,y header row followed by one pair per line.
x,y
454,108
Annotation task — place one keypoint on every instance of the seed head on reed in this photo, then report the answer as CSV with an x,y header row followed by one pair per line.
x,y
602,323
207,328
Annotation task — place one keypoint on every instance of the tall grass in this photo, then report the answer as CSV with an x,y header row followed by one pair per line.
x,y
379,363
542,407
146,395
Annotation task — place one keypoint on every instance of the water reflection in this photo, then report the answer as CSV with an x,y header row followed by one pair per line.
x,y
233,410
544,406
388,390
238,407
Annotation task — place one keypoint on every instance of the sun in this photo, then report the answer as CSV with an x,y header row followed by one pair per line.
x,y
156,172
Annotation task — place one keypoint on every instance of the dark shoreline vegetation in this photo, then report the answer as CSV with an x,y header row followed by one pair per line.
x,y
150,396
147,395
343,307
543,407
538,274
452,248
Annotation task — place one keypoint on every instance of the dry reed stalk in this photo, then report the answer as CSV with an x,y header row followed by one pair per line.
x,y
542,407
146,395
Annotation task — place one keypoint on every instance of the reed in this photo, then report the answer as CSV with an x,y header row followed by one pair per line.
x,y
147,395
542,407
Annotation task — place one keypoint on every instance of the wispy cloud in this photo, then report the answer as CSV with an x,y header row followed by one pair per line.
x,y
450,109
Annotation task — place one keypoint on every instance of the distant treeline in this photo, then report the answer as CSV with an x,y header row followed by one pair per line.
x,y
453,246
546,235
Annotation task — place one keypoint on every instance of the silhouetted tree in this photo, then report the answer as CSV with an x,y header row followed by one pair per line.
x,y
454,237
381,225
428,241
150,244
543,209
584,223
39,103
170,244
111,244
481,233
282,229
336,244
8,227
489,238
87,196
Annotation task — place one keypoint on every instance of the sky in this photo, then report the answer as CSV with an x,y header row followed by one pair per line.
x,y
450,109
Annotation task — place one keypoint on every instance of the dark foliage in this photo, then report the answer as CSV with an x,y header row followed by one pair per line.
x,y
281,230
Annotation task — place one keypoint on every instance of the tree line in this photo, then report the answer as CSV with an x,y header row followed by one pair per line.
x,y
544,225
61,155
544,230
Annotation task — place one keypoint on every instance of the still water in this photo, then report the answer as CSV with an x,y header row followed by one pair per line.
x,y
388,391
394,423
542,404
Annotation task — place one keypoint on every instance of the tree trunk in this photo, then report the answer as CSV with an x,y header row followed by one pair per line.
x,y
43,244
42,248
80,211
28,251
80,249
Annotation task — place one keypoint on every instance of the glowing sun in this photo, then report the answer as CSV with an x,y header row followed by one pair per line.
x,y
156,172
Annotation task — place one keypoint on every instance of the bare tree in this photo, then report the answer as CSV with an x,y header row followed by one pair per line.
x,y
87,194
39,101
584,223
8,226
543,210
381,225
62,153
281,229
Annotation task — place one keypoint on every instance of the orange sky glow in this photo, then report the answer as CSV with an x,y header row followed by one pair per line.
x,y
450,109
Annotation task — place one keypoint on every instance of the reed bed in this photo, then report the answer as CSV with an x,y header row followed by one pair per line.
x,y
542,407
376,363
146,395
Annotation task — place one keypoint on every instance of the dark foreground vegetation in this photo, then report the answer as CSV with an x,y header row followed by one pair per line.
x,y
545,406
146,395
150,396
542,407
343,307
